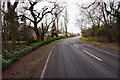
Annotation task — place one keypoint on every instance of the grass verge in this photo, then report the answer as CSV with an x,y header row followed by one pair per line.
x,y
94,41
31,65
9,57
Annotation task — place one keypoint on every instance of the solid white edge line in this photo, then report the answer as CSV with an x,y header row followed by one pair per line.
x,y
44,69
92,55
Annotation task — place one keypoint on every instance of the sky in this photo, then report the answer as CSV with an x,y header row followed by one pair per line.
x,y
73,12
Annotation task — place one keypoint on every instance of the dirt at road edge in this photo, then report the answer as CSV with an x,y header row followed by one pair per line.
x,y
29,66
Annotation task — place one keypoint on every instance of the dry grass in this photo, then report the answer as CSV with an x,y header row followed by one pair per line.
x,y
109,46
31,65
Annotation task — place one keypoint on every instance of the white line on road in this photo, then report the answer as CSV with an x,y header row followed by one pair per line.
x,y
92,55
74,44
71,41
43,72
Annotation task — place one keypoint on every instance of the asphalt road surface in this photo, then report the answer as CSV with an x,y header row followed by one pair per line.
x,y
72,58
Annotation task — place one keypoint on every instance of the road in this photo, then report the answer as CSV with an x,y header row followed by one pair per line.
x,y
72,58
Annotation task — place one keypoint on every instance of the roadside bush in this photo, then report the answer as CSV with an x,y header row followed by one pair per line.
x,y
32,40
6,63
93,39
10,57
100,32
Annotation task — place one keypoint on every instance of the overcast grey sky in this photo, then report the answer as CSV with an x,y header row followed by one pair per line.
x,y
73,12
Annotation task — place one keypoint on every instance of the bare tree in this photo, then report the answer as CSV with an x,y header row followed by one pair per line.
x,y
10,19
66,21
44,28
115,12
38,16
97,13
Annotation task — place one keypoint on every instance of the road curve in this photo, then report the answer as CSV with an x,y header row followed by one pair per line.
x,y
72,58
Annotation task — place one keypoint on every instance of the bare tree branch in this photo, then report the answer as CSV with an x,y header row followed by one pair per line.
x,y
44,13
26,17
89,5
15,4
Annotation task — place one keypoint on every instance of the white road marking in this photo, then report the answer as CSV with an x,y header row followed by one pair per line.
x,y
92,55
43,72
74,44
71,42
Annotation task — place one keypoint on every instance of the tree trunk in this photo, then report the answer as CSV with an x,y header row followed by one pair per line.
x,y
65,30
37,32
42,36
13,29
57,23
108,36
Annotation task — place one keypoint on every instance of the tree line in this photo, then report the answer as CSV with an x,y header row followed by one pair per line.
x,y
103,19
20,17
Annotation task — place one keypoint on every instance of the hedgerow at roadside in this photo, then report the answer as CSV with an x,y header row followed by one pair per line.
x,y
9,57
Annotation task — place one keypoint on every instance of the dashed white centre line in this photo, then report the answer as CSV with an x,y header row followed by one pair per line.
x,y
86,51
73,41
76,46
92,55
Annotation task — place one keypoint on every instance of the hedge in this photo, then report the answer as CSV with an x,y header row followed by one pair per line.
x,y
9,57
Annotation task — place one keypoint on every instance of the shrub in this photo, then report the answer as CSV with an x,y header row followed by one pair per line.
x,y
6,63
32,40
92,39
100,32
